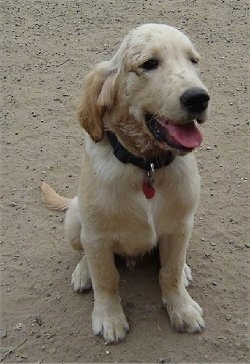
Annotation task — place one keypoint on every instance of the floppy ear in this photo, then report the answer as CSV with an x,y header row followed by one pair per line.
x,y
98,95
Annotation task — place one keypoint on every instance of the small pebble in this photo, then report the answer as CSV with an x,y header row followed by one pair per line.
x,y
13,204
24,356
18,326
107,352
7,349
38,320
3,333
241,323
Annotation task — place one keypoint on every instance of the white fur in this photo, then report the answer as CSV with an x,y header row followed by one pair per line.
x,y
111,213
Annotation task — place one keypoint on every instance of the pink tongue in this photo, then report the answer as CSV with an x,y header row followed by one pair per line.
x,y
187,135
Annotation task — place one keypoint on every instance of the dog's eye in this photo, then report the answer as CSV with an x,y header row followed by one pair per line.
x,y
150,64
194,60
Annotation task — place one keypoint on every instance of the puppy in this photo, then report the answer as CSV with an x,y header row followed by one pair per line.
x,y
139,183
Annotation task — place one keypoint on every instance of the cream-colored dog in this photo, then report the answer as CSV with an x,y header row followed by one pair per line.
x,y
139,184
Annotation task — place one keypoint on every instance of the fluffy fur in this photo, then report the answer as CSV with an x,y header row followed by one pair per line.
x,y
111,214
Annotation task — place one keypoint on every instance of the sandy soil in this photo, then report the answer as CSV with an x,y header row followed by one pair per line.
x,y
48,47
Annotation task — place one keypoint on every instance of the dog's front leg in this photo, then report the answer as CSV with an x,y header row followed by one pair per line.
x,y
184,313
108,318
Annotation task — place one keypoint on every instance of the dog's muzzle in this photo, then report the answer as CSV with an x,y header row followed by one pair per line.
x,y
183,136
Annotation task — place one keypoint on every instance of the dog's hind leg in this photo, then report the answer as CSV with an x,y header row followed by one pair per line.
x,y
73,225
80,277
187,275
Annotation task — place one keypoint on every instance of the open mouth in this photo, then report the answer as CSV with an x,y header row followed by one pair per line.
x,y
185,137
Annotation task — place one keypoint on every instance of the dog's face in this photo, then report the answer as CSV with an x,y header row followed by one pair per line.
x,y
149,94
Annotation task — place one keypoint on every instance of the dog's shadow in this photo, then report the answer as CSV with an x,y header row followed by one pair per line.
x,y
139,286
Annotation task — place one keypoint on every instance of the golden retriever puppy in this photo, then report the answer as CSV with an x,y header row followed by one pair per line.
x,y
139,183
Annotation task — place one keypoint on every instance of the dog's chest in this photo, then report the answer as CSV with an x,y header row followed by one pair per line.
x,y
138,233
121,214
139,226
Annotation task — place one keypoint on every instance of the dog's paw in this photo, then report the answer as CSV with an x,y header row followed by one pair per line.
x,y
185,314
110,322
130,263
187,275
80,279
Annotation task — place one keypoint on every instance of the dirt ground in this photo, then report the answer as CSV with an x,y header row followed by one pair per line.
x,y
47,48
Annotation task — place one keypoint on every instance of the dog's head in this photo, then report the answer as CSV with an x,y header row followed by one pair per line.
x,y
149,94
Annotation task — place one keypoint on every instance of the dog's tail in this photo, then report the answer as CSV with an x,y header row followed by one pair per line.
x,y
52,200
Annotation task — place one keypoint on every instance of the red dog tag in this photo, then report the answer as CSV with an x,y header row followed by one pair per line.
x,y
148,190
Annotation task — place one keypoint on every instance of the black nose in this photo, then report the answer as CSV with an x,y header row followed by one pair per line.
x,y
195,99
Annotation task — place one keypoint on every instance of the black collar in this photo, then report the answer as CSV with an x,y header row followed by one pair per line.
x,y
124,156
